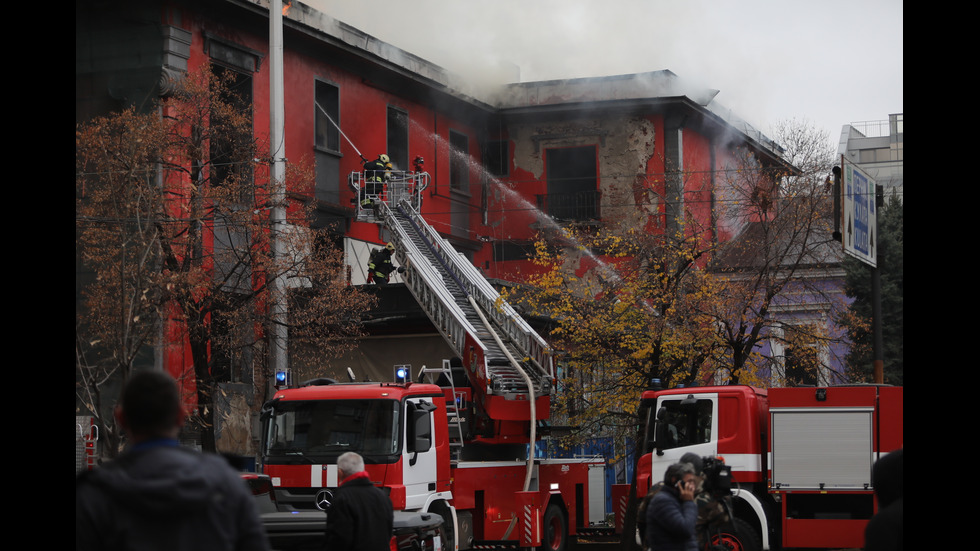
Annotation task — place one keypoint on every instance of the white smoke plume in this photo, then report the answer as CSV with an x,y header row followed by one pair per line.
x,y
832,62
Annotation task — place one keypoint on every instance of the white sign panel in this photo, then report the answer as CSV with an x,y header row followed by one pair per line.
x,y
860,214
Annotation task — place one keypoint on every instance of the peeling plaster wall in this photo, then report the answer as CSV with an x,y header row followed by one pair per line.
x,y
625,146
233,433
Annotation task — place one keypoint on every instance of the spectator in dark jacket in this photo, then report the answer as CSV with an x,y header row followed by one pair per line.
x,y
360,517
672,514
158,494
884,532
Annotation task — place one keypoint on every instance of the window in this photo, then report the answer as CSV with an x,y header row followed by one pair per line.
x,y
231,352
325,429
683,423
326,142
799,353
511,250
327,108
226,148
572,189
459,160
879,155
801,365
398,138
496,158
231,150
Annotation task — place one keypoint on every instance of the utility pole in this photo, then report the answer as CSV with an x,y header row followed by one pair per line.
x,y
278,330
858,184
878,332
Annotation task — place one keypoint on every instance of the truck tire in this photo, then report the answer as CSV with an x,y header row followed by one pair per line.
x,y
442,509
737,536
555,529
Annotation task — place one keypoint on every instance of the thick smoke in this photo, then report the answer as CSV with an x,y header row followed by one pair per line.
x,y
770,60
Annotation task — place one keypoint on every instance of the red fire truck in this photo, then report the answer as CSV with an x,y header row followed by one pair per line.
x,y
800,458
403,433
458,443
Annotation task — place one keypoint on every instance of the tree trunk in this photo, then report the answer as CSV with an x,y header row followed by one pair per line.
x,y
205,385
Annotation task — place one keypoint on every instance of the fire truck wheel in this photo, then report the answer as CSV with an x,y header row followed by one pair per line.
x,y
440,508
738,536
555,534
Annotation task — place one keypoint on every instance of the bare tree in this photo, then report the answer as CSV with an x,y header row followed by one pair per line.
x,y
781,256
172,213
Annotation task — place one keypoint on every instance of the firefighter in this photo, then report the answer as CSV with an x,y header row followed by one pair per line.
x,y
376,173
379,265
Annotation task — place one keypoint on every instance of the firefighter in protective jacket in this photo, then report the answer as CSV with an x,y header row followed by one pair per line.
x,y
376,173
380,266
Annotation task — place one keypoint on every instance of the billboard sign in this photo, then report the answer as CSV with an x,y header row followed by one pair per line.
x,y
860,214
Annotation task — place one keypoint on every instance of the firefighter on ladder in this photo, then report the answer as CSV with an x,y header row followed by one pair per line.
x,y
380,266
376,173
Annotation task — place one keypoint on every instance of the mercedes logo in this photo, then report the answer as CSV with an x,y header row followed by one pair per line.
x,y
322,499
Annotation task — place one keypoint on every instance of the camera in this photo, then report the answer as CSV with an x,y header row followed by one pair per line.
x,y
717,476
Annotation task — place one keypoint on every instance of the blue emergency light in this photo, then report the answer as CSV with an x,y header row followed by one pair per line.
x,y
282,378
403,373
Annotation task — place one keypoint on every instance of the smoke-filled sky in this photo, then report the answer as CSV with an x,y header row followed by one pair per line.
x,y
830,62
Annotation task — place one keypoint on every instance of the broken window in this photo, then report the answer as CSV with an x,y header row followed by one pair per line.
x,y
459,157
496,157
572,184
398,138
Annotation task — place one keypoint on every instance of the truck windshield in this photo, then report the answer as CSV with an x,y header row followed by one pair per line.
x,y
685,424
325,429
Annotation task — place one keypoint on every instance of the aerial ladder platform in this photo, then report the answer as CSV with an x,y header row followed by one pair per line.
x,y
500,353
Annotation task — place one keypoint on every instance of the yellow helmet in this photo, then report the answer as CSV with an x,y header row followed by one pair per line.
x,y
390,246
384,158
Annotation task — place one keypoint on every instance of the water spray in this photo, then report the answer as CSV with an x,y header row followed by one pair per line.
x,y
337,126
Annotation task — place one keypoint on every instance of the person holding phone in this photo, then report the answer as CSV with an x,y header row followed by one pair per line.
x,y
672,514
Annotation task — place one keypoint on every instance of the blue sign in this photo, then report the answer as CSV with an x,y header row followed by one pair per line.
x,y
860,218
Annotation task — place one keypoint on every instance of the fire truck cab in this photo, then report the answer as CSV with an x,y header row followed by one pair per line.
x,y
393,427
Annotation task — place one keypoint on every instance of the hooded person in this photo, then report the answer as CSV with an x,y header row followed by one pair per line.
x,y
885,529
159,494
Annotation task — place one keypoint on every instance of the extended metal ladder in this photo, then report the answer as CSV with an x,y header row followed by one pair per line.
x,y
450,290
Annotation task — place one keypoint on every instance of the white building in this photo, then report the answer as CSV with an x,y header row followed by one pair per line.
x,y
878,148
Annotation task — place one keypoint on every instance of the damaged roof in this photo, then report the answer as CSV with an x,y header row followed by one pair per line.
x,y
616,89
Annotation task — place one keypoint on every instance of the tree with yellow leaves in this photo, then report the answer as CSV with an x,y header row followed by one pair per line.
x,y
635,314
628,305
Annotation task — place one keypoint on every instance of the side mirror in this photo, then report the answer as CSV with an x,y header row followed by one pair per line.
x,y
660,430
419,429
423,431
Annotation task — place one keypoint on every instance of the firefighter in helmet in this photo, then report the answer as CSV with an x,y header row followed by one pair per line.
x,y
376,173
380,266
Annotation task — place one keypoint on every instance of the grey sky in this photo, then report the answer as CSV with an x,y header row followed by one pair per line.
x,y
831,62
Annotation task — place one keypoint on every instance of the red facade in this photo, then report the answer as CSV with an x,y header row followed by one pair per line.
x,y
503,170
